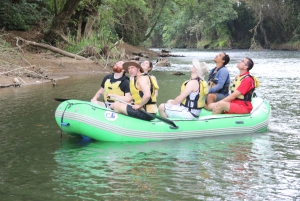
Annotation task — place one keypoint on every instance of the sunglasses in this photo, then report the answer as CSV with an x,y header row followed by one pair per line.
x,y
244,62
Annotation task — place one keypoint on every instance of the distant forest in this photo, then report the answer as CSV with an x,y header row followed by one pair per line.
x,y
202,24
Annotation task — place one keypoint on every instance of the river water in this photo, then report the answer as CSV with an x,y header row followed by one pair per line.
x,y
37,163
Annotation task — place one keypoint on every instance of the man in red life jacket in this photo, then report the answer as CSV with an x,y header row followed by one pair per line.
x,y
239,101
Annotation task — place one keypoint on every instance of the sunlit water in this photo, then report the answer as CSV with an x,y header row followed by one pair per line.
x,y
37,164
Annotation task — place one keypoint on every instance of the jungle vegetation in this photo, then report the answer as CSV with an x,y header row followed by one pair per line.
x,y
203,24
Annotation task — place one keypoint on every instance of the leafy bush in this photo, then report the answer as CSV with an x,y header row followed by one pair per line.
x,y
21,16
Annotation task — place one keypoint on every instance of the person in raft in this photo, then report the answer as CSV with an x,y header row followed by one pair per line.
x,y
218,80
117,84
239,101
147,67
142,92
191,100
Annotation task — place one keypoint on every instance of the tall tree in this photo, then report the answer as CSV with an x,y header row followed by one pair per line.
x,y
60,21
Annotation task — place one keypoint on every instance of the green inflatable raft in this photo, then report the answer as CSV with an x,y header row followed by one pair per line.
x,y
90,120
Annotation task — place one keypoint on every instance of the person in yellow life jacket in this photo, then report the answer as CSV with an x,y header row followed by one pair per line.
x,y
115,84
140,89
191,100
239,101
147,67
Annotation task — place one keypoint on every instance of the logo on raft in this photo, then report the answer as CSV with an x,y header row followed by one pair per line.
x,y
110,116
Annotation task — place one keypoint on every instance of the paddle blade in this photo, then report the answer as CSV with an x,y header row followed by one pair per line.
x,y
61,99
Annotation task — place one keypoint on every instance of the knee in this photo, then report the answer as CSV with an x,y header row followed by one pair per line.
x,y
117,106
210,98
161,107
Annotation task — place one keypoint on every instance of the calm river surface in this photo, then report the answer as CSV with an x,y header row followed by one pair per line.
x,y
37,164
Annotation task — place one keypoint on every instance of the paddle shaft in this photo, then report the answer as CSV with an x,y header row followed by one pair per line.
x,y
167,121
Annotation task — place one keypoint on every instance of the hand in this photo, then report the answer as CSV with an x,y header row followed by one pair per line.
x,y
112,106
170,102
109,95
136,107
93,100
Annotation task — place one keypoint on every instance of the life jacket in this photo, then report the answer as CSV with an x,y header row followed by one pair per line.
x,y
211,79
199,101
153,84
237,82
137,94
113,88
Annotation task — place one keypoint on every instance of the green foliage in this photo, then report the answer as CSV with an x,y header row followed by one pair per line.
x,y
21,16
197,20
79,46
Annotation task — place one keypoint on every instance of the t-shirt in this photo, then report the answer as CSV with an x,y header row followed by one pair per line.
x,y
124,86
223,78
246,85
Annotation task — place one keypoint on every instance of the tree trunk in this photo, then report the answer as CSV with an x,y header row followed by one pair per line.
x,y
79,27
89,26
157,19
55,7
60,21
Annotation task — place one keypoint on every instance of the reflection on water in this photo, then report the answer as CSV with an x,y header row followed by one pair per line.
x,y
37,164
225,168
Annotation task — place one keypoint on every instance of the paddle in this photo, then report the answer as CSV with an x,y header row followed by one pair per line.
x,y
167,121
62,99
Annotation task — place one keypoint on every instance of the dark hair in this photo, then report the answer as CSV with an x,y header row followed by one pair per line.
x,y
150,64
250,64
226,59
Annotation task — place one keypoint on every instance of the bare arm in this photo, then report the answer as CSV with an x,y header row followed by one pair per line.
x,y
98,94
232,96
127,97
156,91
144,84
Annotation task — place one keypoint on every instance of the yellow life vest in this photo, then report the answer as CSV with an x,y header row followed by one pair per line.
x,y
199,101
153,87
113,88
137,94
237,82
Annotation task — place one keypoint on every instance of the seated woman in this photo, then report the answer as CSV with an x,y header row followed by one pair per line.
x,y
191,100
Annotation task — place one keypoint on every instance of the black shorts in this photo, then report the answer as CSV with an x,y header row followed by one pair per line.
x,y
138,114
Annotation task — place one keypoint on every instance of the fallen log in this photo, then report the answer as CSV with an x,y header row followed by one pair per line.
x,y
49,47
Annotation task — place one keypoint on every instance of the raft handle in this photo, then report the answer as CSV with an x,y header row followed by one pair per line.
x,y
65,124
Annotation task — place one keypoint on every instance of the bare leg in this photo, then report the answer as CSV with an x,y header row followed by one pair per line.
x,y
161,110
120,108
211,98
220,107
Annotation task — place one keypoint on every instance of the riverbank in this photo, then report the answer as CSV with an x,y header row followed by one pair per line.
x,y
22,67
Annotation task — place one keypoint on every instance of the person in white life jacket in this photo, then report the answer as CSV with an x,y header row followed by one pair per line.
x,y
147,67
239,101
191,100
116,85
140,89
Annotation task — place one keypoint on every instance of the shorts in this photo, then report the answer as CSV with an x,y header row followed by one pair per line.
x,y
218,97
138,114
179,111
236,108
